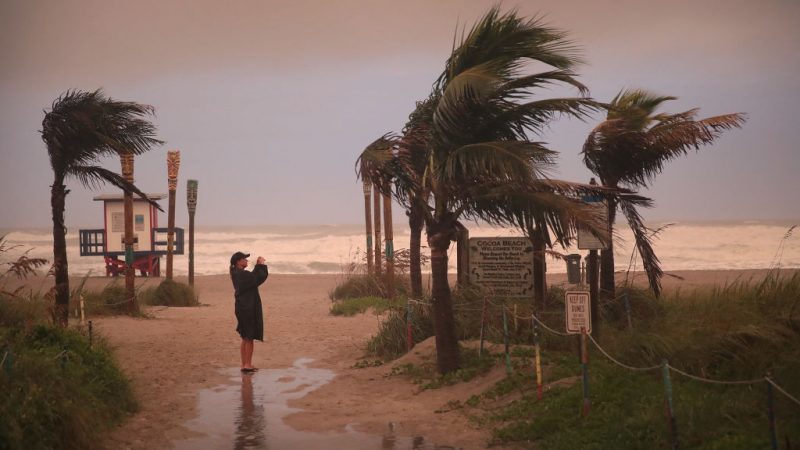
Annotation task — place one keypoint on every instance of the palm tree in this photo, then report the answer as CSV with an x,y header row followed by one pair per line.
x,y
80,128
630,148
480,163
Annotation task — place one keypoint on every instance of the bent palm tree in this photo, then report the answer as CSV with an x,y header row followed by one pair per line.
x,y
80,128
630,148
480,163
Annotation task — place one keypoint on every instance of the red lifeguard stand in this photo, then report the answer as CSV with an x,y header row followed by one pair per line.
x,y
150,242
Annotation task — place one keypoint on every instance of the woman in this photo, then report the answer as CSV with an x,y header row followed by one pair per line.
x,y
249,317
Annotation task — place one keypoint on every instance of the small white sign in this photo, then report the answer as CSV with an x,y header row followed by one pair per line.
x,y
579,312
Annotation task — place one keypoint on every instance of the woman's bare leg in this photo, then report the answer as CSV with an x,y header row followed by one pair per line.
x,y
247,353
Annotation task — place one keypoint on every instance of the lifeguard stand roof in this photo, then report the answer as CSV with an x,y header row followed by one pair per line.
x,y
112,197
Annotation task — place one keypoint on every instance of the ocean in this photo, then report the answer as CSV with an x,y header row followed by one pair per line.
x,y
318,249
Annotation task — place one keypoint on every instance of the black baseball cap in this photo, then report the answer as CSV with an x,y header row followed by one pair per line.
x,y
237,256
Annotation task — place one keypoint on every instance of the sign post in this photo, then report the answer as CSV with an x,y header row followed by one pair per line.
x,y
588,241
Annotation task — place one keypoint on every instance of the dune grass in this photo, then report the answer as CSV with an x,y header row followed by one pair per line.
x,y
742,331
56,391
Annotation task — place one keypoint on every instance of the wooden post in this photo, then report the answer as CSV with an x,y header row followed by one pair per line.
x,y
191,203
126,160
593,269
173,164
673,424
587,402
538,358
376,201
505,340
462,256
387,225
773,431
368,221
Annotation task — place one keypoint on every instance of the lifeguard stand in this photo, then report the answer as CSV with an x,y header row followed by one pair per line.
x,y
150,242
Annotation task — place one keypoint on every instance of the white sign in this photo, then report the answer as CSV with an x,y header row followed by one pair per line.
x,y
579,312
503,265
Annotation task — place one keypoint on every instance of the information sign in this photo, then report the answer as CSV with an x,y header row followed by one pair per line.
x,y
503,265
586,239
579,312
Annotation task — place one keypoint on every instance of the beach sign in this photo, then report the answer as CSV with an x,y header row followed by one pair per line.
x,y
579,311
502,265
586,239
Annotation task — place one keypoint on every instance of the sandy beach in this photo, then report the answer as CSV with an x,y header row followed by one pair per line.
x,y
177,352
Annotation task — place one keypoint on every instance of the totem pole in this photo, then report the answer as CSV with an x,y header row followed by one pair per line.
x,y
191,202
173,163
126,159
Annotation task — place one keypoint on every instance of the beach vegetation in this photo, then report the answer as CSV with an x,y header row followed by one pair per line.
x,y
170,293
359,305
629,149
743,331
58,388
80,128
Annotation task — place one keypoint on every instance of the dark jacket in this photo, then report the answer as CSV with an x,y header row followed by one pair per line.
x,y
249,316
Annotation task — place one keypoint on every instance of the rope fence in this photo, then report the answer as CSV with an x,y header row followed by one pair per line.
x,y
509,314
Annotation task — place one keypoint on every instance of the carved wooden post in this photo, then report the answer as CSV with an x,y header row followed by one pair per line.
x,y
368,221
126,160
191,203
173,163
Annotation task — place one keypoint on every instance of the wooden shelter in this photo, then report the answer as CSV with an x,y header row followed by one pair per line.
x,y
150,242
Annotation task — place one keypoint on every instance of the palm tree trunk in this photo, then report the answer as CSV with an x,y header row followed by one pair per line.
x,y
607,289
376,198
368,223
539,270
58,196
448,358
415,223
387,225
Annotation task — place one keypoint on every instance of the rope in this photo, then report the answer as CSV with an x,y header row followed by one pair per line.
x,y
4,358
548,328
707,380
642,369
775,385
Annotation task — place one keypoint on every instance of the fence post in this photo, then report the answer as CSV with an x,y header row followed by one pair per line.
x,y
409,335
587,403
628,311
483,324
90,334
773,432
537,358
673,424
505,338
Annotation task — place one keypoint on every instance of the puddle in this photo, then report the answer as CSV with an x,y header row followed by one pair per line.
x,y
249,415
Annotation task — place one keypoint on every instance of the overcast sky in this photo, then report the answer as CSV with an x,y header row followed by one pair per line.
x,y
270,102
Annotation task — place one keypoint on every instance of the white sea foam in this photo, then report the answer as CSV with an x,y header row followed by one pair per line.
x,y
329,248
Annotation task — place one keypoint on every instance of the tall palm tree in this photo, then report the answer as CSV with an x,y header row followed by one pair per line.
x,y
630,148
80,128
480,163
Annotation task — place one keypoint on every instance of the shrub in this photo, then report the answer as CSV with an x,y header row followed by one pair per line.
x,y
55,390
353,306
171,293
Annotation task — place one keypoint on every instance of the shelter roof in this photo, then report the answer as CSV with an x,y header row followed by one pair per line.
x,y
120,197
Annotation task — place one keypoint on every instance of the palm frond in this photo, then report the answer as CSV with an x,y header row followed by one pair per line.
x,y
651,263
95,176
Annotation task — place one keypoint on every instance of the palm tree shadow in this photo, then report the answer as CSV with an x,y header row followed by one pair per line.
x,y
251,420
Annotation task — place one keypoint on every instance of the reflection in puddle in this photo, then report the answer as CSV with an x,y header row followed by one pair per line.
x,y
248,415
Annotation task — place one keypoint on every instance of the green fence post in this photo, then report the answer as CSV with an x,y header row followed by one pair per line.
x,y
673,424
773,432
483,325
587,402
505,337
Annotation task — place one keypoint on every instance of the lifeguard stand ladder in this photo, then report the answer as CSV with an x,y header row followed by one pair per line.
x,y
150,242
